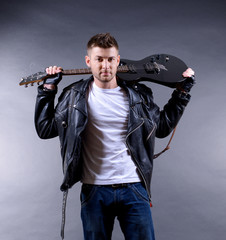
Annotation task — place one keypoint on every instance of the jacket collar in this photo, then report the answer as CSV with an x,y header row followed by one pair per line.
x,y
82,85
131,89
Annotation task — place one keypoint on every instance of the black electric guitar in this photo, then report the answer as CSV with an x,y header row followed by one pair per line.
x,y
159,68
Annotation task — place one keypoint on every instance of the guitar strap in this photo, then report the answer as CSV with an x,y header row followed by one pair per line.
x,y
63,213
167,146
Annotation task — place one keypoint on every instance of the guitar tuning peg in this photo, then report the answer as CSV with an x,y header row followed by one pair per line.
x,y
25,85
32,84
38,83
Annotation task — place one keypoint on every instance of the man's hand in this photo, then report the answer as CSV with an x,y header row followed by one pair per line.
x,y
188,83
55,76
188,73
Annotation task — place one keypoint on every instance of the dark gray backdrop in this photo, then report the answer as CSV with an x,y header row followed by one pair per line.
x,y
189,181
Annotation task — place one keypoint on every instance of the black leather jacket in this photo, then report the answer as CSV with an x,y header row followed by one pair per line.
x,y
69,119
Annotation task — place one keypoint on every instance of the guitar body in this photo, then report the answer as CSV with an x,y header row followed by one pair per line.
x,y
159,68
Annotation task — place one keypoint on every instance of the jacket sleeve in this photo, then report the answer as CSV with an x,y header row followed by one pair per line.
x,y
169,117
44,114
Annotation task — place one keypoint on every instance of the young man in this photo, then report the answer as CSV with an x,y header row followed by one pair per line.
x,y
107,129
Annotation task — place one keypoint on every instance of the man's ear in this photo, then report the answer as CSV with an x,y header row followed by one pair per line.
x,y
118,59
87,59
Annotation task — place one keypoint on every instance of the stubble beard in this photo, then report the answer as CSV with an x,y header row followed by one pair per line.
x,y
107,78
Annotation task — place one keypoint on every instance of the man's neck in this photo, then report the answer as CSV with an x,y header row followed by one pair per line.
x,y
106,85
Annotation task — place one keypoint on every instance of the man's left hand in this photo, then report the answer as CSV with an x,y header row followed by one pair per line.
x,y
188,83
188,73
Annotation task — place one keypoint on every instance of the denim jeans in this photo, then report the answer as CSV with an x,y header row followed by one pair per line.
x,y
101,204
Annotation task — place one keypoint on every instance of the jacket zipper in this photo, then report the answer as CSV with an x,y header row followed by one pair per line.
x,y
149,135
71,108
66,164
135,160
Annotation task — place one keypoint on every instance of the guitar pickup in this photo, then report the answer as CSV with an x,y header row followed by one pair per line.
x,y
132,69
149,67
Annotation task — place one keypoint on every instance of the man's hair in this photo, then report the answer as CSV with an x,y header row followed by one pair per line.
x,y
102,40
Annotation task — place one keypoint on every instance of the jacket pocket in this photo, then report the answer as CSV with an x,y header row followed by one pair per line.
x,y
87,193
140,191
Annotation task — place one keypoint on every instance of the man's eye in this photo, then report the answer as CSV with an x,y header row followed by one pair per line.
x,y
99,59
110,59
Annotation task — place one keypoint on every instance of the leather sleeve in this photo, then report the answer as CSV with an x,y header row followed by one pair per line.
x,y
44,114
172,112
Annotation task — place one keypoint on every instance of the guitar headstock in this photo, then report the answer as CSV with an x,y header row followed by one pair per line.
x,y
37,77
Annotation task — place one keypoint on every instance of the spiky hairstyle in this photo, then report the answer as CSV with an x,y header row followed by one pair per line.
x,y
102,40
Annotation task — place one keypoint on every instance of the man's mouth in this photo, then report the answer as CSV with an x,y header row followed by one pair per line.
x,y
105,73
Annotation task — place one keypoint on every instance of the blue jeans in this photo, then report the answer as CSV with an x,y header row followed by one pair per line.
x,y
130,204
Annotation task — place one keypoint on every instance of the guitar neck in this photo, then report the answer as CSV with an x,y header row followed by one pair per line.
x,y
77,71
88,70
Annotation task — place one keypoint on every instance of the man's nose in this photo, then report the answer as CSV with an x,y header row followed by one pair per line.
x,y
105,63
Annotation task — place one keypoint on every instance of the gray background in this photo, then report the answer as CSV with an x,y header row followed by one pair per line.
x,y
189,181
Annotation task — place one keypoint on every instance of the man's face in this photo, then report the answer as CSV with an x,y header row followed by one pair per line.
x,y
103,63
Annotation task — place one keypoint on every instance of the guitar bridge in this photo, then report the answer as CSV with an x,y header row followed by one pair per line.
x,y
152,67
156,67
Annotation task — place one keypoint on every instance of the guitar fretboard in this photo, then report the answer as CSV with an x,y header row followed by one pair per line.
x,y
77,71
88,70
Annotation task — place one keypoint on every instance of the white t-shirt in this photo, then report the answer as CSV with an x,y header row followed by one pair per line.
x,y
106,157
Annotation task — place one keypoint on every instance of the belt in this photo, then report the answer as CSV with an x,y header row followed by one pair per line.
x,y
116,185
119,185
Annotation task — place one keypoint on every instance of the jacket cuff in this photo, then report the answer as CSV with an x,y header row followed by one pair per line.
x,y
181,95
46,91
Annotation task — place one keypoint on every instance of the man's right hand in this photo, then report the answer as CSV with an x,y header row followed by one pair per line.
x,y
53,78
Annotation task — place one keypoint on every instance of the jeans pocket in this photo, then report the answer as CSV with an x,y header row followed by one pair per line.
x,y
140,191
87,192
